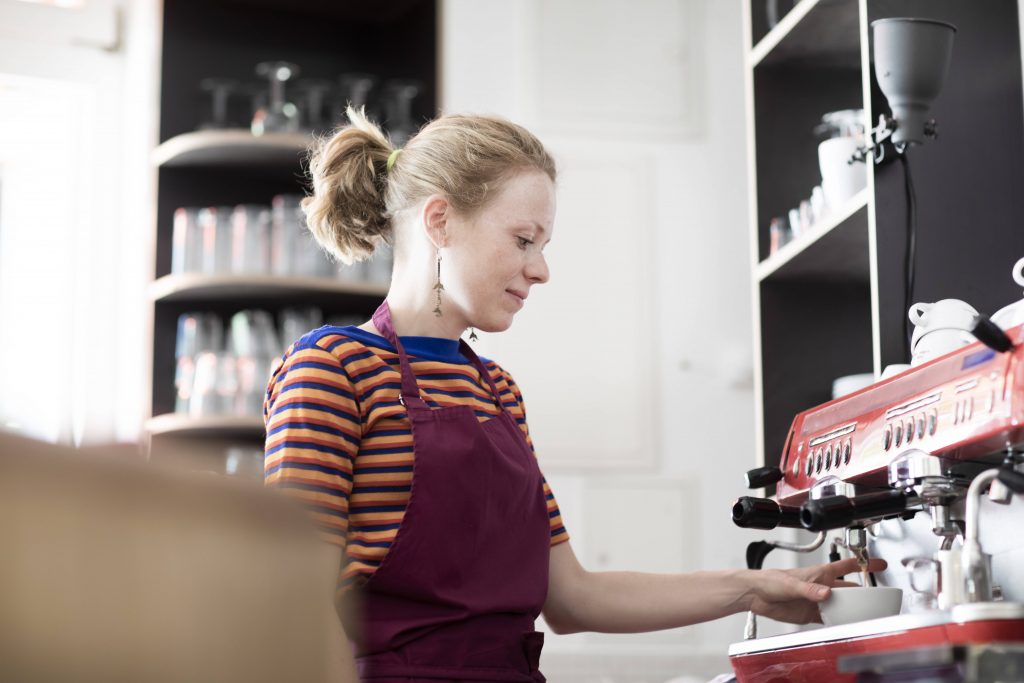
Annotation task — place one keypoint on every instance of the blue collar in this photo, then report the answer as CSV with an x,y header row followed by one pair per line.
x,y
427,348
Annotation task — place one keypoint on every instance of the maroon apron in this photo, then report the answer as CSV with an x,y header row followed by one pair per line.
x,y
456,596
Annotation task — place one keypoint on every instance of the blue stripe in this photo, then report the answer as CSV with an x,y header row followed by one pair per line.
x,y
299,424
391,432
371,372
369,544
367,509
314,406
291,445
333,368
374,527
381,489
385,451
382,470
317,386
559,530
324,469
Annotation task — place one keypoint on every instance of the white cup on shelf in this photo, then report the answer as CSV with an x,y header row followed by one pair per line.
x,y
841,180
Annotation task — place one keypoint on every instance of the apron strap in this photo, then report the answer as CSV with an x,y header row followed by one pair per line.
x,y
410,394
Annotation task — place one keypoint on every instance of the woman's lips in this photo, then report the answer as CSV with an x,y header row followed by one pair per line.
x,y
520,300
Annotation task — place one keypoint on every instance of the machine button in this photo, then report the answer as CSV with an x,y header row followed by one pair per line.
x,y
933,422
846,452
818,463
887,438
920,426
956,413
909,430
828,457
810,462
796,466
897,436
969,408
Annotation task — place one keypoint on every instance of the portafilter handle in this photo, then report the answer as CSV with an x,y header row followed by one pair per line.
x,y
836,512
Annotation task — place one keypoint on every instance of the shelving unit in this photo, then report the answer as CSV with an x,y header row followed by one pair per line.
x,y
226,167
231,147
830,303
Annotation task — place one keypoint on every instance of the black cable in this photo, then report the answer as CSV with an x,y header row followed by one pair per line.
x,y
911,247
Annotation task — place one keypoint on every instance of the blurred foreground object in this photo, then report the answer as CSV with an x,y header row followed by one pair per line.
x,y
117,570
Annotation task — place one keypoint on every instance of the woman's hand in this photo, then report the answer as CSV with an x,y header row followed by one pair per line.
x,y
792,595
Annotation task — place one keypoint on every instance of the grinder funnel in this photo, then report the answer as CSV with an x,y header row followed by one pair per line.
x,y
911,60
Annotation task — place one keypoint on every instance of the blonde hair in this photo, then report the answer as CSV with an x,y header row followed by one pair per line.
x,y
463,157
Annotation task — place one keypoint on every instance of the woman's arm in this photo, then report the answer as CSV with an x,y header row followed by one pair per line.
x,y
634,602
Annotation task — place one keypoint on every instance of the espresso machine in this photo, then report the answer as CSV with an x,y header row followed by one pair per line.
x,y
921,470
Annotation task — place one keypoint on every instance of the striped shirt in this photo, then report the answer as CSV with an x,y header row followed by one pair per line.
x,y
339,440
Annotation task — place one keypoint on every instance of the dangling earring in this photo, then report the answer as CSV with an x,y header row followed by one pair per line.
x,y
438,287
472,334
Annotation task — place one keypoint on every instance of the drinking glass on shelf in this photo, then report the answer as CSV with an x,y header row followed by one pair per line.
x,y
205,398
279,115
220,90
296,322
780,234
313,93
197,333
285,222
354,89
226,383
186,242
398,98
215,223
250,247
294,251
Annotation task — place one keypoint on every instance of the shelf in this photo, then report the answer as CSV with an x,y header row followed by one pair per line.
x,y
197,287
837,250
231,147
226,426
815,33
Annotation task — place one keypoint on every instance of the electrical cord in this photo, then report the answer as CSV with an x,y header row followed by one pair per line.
x,y
911,248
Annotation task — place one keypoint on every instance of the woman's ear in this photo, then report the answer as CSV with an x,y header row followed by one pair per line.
x,y
435,217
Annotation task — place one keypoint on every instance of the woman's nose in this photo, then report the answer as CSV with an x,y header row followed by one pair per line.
x,y
537,269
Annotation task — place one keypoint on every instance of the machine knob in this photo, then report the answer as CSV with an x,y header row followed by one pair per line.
x,y
764,513
991,335
763,476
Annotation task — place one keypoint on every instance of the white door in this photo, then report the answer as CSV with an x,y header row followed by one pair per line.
x,y
67,315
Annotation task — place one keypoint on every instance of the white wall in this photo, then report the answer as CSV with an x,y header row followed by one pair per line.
x,y
702,401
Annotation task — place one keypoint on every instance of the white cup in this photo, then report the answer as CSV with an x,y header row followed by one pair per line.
x,y
1012,315
840,180
848,604
938,343
947,313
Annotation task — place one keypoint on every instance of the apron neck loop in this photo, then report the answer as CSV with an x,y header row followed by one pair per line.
x,y
410,388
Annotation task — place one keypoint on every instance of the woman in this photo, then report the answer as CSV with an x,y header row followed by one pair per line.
x,y
414,454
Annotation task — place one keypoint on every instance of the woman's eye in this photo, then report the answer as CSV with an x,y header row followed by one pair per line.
x,y
523,242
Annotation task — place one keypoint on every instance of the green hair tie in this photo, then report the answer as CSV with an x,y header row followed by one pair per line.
x,y
392,157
